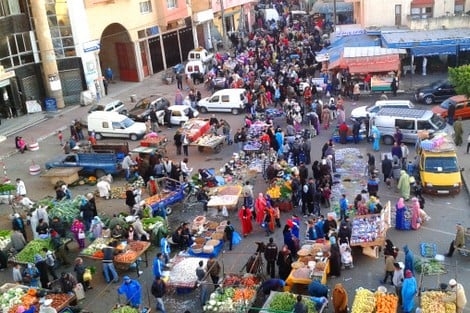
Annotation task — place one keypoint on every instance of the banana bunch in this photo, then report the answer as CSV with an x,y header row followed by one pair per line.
x,y
274,192
431,302
364,301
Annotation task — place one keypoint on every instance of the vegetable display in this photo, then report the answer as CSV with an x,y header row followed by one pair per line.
x,y
386,303
31,249
238,292
285,301
4,238
65,209
429,267
125,309
96,245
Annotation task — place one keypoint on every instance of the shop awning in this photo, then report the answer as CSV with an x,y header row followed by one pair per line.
x,y
373,64
334,51
422,3
464,47
434,50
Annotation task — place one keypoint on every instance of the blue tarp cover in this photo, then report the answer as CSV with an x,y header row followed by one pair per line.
x,y
434,50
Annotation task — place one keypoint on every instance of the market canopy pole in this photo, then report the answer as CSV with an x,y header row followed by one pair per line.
x,y
334,14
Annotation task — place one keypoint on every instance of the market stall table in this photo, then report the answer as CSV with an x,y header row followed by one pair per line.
x,y
225,196
320,308
210,142
129,256
312,263
34,247
182,275
19,295
195,128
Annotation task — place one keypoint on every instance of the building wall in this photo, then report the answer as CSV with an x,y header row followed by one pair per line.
x,y
444,22
382,12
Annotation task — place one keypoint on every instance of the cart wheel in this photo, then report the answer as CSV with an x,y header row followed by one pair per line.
x,y
169,210
218,148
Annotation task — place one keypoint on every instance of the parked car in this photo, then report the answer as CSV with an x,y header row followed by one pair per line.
x,y
115,106
361,112
180,114
462,107
435,92
140,112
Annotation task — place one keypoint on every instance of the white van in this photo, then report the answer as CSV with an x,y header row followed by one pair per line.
x,y
225,100
372,109
114,106
200,54
410,122
196,70
270,14
113,124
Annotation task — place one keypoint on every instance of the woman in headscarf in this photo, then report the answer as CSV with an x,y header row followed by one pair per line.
x,y
245,220
96,227
78,228
344,233
335,261
408,292
400,209
415,215
340,299
289,239
404,185
260,206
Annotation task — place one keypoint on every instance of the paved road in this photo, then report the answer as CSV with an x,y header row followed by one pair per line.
x,y
445,211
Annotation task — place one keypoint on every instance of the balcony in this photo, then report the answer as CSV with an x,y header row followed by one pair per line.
x,y
201,5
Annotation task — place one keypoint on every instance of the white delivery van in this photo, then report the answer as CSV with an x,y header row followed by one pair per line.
x,y
361,112
196,70
225,100
410,122
200,54
270,14
115,125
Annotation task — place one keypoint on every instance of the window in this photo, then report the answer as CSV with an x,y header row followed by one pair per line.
x,y
145,7
225,98
405,124
425,125
171,4
9,7
421,12
18,50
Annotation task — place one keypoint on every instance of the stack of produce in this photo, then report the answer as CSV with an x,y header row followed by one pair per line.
x,y
364,301
128,309
429,267
431,302
94,249
12,298
238,292
386,303
31,249
65,209
285,301
280,189
4,239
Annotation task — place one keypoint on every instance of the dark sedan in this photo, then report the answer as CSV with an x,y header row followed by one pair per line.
x,y
435,92
143,107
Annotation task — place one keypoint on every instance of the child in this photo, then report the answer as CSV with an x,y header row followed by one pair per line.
x,y
343,206
60,136
277,215
17,277
389,269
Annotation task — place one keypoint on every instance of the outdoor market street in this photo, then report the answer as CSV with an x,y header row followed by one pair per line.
x,y
367,272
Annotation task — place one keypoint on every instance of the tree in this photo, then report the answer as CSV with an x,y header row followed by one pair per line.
x,y
460,78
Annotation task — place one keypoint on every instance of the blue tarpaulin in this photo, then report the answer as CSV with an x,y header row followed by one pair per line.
x,y
335,50
434,50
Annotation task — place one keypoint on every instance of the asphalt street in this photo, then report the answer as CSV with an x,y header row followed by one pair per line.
x,y
445,211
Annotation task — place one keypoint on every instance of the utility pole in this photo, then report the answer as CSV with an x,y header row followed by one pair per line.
x,y
48,58
224,28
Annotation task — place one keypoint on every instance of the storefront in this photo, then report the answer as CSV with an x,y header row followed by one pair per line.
x,y
202,28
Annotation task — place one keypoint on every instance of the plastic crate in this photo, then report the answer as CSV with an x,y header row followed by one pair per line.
x,y
428,250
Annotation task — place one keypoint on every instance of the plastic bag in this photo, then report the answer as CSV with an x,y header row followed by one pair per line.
x,y
224,211
236,239
79,291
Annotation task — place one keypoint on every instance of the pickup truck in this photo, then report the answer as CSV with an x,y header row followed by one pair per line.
x,y
96,163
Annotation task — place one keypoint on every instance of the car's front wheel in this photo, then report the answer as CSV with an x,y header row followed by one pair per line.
x,y
428,100
133,137
203,109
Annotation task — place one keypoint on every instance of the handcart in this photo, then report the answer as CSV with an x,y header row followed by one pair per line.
x,y
169,192
209,142
465,250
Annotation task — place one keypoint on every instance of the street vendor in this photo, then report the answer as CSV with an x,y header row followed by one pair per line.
x,y
132,291
273,284
456,295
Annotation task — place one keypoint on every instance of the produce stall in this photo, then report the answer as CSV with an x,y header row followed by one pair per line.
x,y
432,301
236,295
13,295
210,142
129,253
34,247
225,196
209,235
252,146
195,128
370,231
280,190
285,301
68,175
182,274
312,264
128,309
367,301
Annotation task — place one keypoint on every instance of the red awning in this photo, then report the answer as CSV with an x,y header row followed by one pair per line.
x,y
373,64
422,3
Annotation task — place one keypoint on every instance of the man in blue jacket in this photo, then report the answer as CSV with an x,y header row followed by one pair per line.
x,y
132,290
